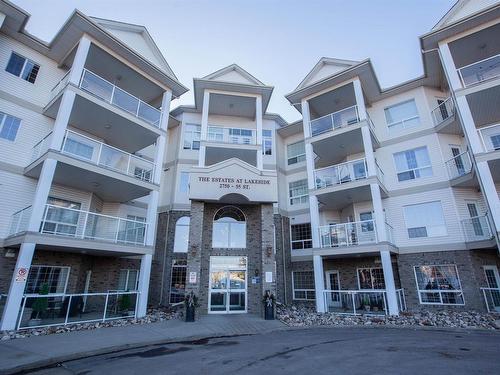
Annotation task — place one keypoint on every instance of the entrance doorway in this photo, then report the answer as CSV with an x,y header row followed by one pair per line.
x,y
227,285
333,283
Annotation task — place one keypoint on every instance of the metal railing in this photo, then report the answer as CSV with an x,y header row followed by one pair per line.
x,y
336,120
59,85
490,137
348,234
443,111
231,135
405,123
341,173
356,302
301,244
99,153
476,228
118,97
389,230
71,222
380,172
20,220
400,293
491,299
459,165
62,309
480,71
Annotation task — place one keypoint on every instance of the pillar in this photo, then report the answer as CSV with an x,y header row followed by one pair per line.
x,y
468,125
319,283
204,128
390,286
165,109
378,213
490,194
449,67
62,120
79,61
360,100
369,154
193,271
144,275
258,123
268,252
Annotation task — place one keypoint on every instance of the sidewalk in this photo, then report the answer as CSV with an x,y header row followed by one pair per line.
x,y
40,351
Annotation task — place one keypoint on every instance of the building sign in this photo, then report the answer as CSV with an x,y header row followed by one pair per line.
x,y
269,277
233,176
192,277
21,275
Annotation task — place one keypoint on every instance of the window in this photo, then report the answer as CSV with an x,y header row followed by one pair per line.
x,y
229,229
184,182
178,281
303,285
298,192
425,220
412,164
135,230
22,67
128,280
181,237
439,285
301,236
9,125
367,221
402,116
241,136
371,278
267,142
192,136
56,278
61,217
296,152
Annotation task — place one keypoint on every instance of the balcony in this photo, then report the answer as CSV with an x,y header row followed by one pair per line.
x,y
78,224
231,135
119,174
443,117
480,71
221,143
459,169
337,120
490,137
341,173
348,234
476,229
361,302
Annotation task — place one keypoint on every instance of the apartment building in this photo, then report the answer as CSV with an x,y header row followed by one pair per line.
x,y
378,200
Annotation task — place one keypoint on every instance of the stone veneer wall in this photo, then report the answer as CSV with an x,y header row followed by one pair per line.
x,y
283,257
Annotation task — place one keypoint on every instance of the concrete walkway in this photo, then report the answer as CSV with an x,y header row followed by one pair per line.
x,y
39,351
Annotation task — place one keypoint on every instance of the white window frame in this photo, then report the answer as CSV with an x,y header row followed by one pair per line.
x,y
177,244
127,279
402,122
292,241
175,265
268,139
306,291
298,197
230,225
419,204
439,291
181,187
186,131
2,124
412,169
21,73
300,157
371,276
51,266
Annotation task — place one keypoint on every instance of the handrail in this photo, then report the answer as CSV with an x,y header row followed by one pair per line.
x,y
447,107
481,132
332,125
340,164
459,165
348,234
462,68
476,228
403,121
340,173
62,79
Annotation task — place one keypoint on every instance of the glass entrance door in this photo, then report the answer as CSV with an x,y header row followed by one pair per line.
x,y
333,283
228,285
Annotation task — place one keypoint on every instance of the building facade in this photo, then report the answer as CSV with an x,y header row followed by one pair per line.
x,y
378,200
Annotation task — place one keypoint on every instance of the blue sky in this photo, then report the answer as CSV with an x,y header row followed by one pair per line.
x,y
277,41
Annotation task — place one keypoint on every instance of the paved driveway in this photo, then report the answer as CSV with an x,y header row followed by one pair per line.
x,y
308,351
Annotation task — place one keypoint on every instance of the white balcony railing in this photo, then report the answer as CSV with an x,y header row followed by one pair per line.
x,y
340,119
231,135
341,173
348,234
62,309
118,97
69,222
480,71
443,111
476,228
389,230
59,85
459,165
490,137
361,302
99,153
492,299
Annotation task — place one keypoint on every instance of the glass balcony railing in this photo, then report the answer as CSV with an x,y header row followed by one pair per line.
x,y
480,71
231,135
99,153
443,111
340,119
490,137
459,165
118,97
19,221
348,234
476,229
341,173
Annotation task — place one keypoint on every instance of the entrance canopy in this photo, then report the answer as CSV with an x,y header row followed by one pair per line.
x,y
231,178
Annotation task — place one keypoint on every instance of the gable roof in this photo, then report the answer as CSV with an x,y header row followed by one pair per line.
x,y
234,74
325,67
462,9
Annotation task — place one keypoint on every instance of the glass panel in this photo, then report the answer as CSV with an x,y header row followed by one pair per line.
x,y
237,279
44,310
218,301
149,114
121,305
218,280
83,308
481,71
125,101
237,301
15,64
97,86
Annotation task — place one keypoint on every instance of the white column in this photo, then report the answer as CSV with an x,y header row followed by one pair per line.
x,y
258,123
490,193
151,216
79,61
41,194
144,275
319,283
378,213
161,143
2,18
16,289
469,126
165,109
390,286
449,67
314,213
204,127
369,154
360,100
62,119
306,118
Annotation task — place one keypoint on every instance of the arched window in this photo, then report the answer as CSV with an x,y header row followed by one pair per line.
x,y
229,229
181,237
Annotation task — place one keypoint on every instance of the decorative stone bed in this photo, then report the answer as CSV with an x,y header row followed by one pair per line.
x,y
305,316
153,316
